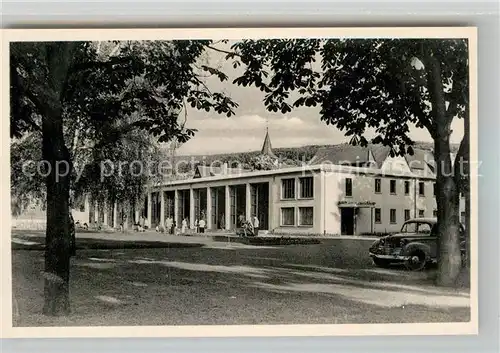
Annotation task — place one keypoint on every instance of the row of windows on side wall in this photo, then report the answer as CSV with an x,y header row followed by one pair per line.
x,y
306,190
305,216
393,215
392,187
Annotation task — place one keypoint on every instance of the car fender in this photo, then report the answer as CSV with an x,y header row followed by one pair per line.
x,y
408,249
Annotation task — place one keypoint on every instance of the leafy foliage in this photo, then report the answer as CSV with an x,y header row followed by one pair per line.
x,y
26,183
359,84
115,95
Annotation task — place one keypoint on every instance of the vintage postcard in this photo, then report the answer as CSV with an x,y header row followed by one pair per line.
x,y
240,182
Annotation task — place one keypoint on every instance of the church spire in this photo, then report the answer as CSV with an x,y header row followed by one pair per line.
x,y
267,148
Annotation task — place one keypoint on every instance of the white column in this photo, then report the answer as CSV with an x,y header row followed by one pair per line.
x,y
115,215
209,209
319,199
87,210
162,208
105,214
248,202
136,220
176,208
96,212
227,212
149,220
272,223
191,208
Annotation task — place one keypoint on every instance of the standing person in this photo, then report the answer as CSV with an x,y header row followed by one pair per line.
x,y
184,226
222,222
196,226
174,227
201,224
255,225
168,225
241,221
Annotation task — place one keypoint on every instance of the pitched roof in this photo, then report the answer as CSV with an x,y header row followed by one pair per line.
x,y
380,153
346,154
419,159
356,155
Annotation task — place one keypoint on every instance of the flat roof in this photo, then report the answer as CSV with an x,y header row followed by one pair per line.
x,y
305,170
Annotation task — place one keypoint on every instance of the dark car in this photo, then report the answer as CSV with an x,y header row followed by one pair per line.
x,y
415,245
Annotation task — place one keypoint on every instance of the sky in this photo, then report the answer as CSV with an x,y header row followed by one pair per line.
x,y
246,130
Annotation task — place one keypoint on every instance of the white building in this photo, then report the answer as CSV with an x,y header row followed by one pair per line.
x,y
343,190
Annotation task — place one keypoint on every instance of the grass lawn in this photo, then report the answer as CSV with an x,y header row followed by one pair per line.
x,y
297,284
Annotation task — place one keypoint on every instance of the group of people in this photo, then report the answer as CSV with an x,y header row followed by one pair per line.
x,y
245,227
248,227
171,226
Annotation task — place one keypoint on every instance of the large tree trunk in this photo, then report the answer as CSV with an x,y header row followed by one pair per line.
x,y
447,193
58,241
57,156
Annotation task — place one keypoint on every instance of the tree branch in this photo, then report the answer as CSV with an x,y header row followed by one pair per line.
x,y
452,110
224,51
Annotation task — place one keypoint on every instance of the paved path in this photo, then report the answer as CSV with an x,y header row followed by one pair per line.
x,y
161,237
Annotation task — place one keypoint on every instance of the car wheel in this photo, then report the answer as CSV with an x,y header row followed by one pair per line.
x,y
381,262
417,261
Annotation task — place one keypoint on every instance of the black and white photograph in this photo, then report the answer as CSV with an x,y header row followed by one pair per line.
x,y
317,181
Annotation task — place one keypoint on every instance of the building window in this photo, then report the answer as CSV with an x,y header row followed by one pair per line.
x,y
421,213
288,216
435,213
378,186
407,215
306,188
407,187
306,216
392,215
348,187
288,189
421,188
392,184
378,215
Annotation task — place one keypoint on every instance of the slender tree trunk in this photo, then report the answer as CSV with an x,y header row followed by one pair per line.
x,y
447,193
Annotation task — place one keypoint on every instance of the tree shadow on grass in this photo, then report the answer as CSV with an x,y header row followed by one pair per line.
x,y
171,286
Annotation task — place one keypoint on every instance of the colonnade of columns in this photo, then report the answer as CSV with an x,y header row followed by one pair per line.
x,y
193,196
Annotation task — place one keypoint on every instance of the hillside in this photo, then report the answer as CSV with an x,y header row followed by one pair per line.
x,y
297,154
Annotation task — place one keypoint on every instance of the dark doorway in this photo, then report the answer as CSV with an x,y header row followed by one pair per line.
x,y
169,198
218,195
347,221
200,204
155,209
238,205
183,207
260,204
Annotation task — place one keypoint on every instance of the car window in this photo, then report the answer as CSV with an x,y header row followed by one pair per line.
x,y
417,227
424,228
410,227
